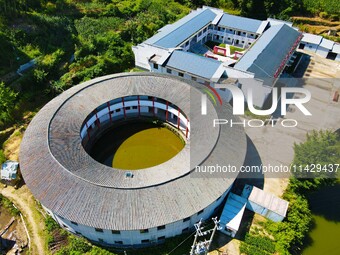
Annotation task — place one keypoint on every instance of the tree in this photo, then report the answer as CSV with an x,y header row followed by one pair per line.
x,y
322,150
7,103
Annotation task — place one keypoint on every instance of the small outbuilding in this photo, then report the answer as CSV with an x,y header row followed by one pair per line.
x,y
232,214
266,204
9,170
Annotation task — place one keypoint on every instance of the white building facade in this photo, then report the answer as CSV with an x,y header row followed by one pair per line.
x,y
179,49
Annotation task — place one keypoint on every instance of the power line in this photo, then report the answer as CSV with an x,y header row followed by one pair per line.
x,y
181,243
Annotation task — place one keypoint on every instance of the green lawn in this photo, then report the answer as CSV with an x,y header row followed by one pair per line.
x,y
234,48
212,44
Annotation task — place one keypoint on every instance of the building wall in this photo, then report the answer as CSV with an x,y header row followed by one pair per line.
x,y
260,92
322,51
229,36
135,237
337,57
310,46
174,72
130,109
265,212
143,52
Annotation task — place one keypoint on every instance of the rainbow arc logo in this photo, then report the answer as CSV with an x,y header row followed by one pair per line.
x,y
212,93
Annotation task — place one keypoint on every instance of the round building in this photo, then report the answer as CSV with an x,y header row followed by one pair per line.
x,y
115,159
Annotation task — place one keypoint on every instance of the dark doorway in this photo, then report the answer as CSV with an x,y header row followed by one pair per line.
x,y
331,55
302,46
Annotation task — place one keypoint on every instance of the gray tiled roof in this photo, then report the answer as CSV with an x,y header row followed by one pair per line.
x,y
194,64
66,180
267,54
241,23
173,35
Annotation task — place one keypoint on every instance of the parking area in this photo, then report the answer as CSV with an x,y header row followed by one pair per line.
x,y
275,144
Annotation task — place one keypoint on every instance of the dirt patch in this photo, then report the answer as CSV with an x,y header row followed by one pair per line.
x,y
231,248
34,220
12,145
12,233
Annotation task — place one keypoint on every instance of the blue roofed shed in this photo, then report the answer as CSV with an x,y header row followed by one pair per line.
x,y
9,170
232,214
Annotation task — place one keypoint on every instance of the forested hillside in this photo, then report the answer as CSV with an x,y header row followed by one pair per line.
x,y
76,40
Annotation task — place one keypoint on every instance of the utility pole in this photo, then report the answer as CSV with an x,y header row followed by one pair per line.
x,y
214,231
202,247
198,233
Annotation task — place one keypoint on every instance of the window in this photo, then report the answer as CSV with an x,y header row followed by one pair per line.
x,y
200,33
180,74
200,212
161,227
115,232
242,41
161,238
185,230
187,43
128,108
204,30
168,70
118,242
100,240
219,29
74,223
229,38
145,241
134,107
118,110
252,34
244,33
155,66
65,226
193,78
186,219
143,231
230,30
99,230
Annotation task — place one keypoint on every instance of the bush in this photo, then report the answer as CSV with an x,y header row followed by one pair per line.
x,y
6,203
2,157
78,244
51,224
251,250
323,15
261,242
7,103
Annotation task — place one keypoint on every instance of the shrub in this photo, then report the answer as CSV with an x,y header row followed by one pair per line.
x,y
6,203
2,157
51,224
261,242
323,15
